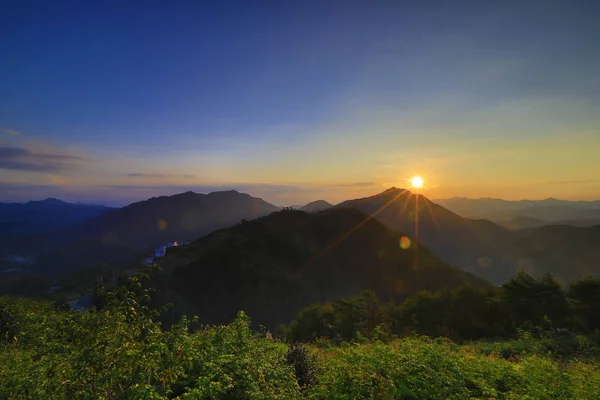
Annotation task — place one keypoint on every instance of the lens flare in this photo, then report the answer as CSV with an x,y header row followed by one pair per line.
x,y
404,243
162,225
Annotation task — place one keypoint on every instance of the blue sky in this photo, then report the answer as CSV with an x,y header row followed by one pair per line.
x,y
114,102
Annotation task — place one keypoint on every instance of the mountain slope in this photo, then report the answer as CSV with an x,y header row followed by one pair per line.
x,y
521,222
273,266
568,252
315,206
39,217
552,210
142,226
477,246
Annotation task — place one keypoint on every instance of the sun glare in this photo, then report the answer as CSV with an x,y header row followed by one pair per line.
x,y
417,182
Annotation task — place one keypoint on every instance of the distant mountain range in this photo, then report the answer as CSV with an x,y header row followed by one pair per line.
x,y
521,222
483,247
527,213
140,227
478,246
39,217
273,266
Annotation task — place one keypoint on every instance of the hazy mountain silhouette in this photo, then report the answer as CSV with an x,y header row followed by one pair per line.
x,y
568,252
551,209
521,222
315,206
273,266
38,217
141,226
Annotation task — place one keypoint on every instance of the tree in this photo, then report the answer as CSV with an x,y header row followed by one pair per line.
x,y
533,301
585,300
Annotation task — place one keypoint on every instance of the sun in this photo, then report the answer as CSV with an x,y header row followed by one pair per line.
x,y
417,182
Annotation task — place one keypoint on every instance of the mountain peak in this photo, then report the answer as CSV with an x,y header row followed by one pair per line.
x,y
49,200
317,205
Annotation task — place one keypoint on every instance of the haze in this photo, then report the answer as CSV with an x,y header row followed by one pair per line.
x,y
112,103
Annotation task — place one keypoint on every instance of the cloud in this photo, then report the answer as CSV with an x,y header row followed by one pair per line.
x,y
9,131
356,184
21,159
57,180
140,175
145,175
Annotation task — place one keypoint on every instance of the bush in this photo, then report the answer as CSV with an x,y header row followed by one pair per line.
x,y
122,352
425,369
304,364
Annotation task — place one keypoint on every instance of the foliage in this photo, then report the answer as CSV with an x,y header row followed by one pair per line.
x,y
417,368
303,363
122,351
539,307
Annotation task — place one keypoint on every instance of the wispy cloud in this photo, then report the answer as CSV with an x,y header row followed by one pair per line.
x,y
146,175
58,180
356,184
140,175
21,159
9,131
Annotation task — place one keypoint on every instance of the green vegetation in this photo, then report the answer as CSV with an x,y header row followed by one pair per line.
x,y
436,369
121,350
523,304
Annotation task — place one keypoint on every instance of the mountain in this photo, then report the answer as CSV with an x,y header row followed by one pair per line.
x,y
273,266
478,246
315,206
142,226
483,247
551,210
39,217
567,252
521,222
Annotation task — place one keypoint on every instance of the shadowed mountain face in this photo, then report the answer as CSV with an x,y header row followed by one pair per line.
x,y
528,222
477,246
273,266
316,206
482,247
141,226
567,252
39,217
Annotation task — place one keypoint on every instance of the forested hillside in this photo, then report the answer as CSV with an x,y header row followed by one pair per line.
x,y
275,265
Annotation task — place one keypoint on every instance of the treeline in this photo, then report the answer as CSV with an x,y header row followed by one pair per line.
x,y
463,313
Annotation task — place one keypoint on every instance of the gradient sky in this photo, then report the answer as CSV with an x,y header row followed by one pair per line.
x,y
113,102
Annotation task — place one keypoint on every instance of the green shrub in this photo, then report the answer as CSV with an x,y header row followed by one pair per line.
x,y
303,363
